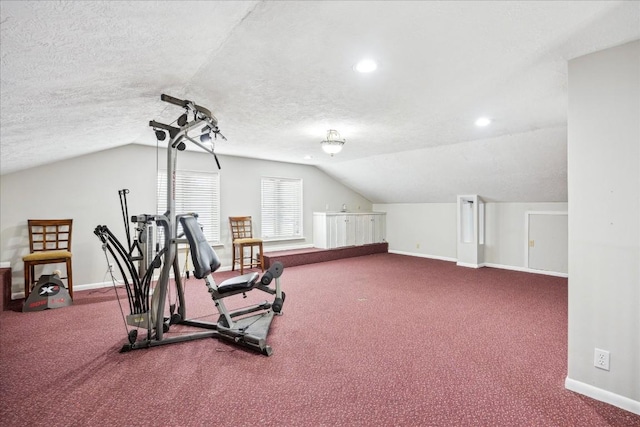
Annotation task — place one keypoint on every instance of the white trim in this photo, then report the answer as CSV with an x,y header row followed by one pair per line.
x,y
286,248
524,269
526,230
603,395
95,286
468,265
441,258
484,264
283,239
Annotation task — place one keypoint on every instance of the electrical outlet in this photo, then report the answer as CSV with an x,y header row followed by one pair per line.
x,y
601,359
417,245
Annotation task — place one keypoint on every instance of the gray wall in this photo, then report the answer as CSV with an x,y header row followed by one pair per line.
x,y
86,189
604,222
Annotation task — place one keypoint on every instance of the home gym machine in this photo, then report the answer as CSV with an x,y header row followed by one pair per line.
x,y
149,304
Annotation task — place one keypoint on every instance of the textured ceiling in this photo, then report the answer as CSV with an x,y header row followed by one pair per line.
x,y
79,77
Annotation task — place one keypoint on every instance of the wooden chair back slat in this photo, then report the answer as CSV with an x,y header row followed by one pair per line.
x,y
241,227
50,234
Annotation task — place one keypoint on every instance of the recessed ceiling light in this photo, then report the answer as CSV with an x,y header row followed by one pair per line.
x,y
365,66
483,121
308,157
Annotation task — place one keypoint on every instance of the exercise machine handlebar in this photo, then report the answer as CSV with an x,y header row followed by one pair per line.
x,y
201,116
188,104
173,131
175,101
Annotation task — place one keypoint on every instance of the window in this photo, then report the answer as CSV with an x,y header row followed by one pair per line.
x,y
281,208
197,192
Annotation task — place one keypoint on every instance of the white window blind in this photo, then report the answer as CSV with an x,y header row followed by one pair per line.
x,y
281,208
196,192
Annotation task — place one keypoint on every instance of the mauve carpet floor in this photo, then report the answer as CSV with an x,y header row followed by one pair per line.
x,y
378,340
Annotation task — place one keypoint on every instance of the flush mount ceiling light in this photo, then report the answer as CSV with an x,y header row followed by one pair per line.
x,y
483,121
365,66
333,144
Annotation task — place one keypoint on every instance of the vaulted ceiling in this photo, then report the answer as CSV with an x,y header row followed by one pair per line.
x,y
79,77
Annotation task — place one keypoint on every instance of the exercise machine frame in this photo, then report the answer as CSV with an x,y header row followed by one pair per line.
x,y
248,326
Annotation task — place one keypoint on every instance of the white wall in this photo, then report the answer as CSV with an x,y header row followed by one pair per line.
x,y
433,227
86,189
506,233
421,229
604,224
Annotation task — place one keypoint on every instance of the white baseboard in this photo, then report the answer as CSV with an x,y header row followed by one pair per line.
x,y
524,269
93,286
468,265
441,258
603,395
484,264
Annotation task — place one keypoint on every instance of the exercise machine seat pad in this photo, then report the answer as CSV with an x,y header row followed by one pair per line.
x,y
205,260
241,283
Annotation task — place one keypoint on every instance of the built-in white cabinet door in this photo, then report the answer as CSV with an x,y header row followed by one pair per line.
x,y
335,230
347,235
363,229
378,228
335,227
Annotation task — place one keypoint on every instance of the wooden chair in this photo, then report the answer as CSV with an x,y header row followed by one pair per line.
x,y
242,237
49,243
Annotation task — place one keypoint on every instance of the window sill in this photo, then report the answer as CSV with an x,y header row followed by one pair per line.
x,y
185,245
283,239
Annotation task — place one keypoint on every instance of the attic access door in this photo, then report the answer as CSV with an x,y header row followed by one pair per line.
x,y
548,241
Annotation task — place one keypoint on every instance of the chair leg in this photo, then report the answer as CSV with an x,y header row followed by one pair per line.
x,y
70,278
241,260
27,279
233,263
261,258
